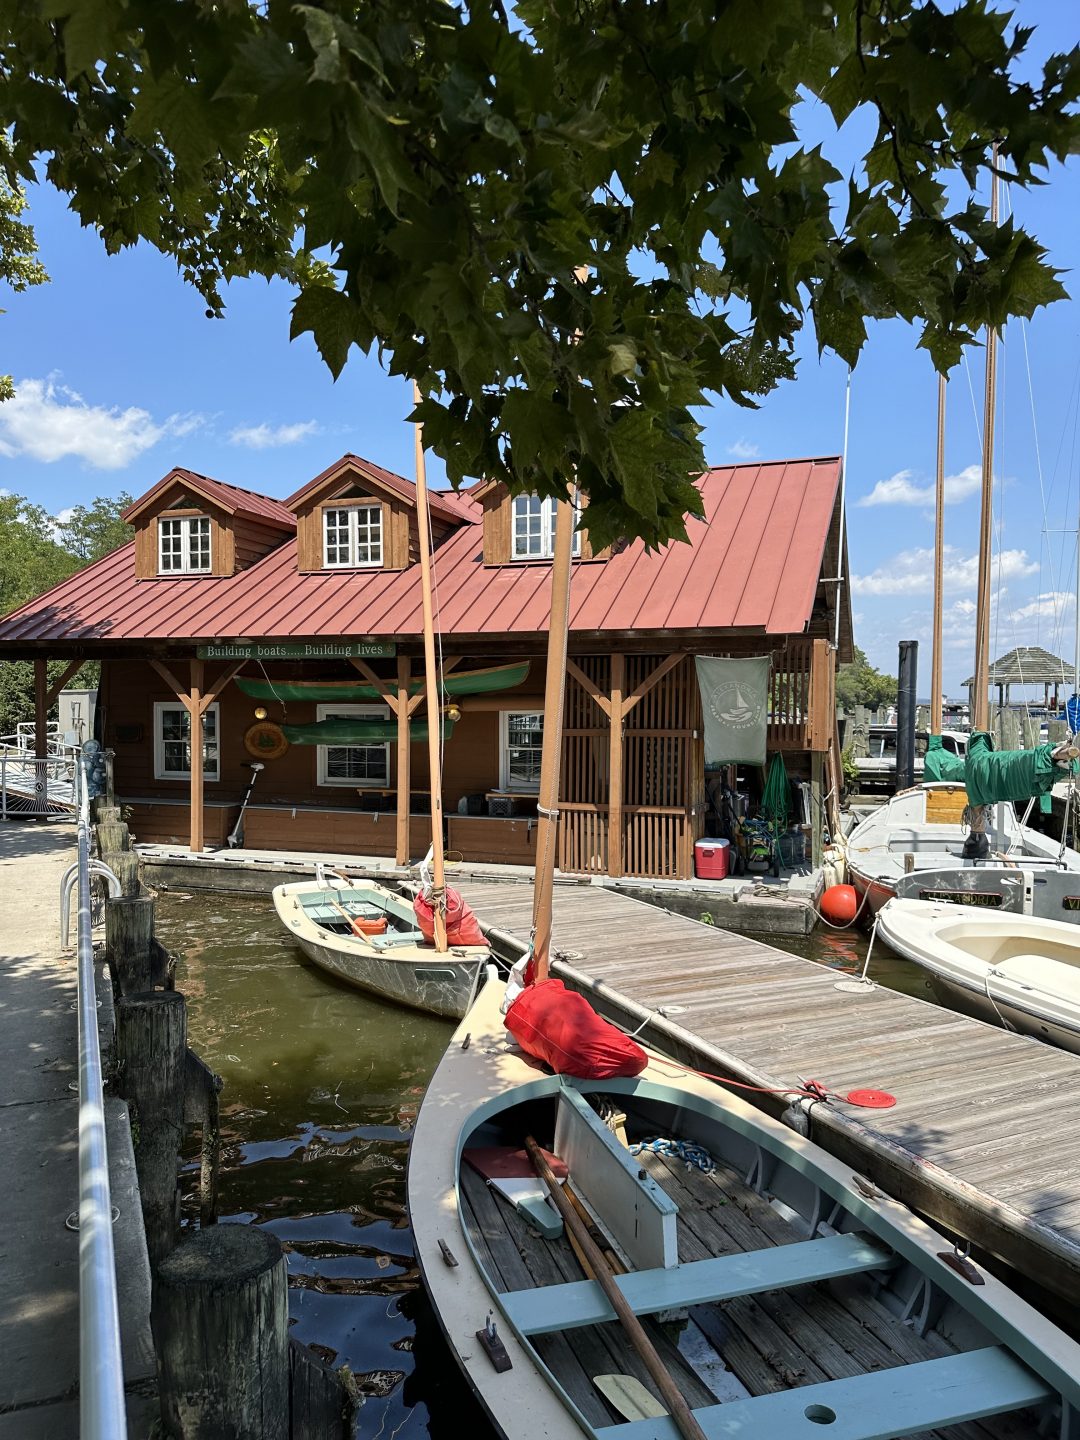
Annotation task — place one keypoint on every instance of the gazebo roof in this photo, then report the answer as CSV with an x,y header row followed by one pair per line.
x,y
1028,665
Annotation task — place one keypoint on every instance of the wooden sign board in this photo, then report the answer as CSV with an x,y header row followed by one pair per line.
x,y
298,650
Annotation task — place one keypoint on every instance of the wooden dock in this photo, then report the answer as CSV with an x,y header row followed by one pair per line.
x,y
983,1138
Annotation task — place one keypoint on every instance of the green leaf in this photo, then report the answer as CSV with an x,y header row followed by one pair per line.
x,y
333,321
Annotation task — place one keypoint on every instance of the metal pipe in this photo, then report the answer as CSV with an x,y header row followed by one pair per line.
x,y
905,715
68,883
101,1370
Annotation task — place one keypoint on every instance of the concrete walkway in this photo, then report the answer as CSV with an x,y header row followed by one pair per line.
x,y
39,1300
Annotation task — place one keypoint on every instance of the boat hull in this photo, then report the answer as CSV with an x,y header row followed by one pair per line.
x,y
457,682
415,975
1015,971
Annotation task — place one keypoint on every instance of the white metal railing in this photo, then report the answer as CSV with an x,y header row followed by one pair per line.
x,y
101,1370
32,785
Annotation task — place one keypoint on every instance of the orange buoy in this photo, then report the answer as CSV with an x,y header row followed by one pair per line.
x,y
839,904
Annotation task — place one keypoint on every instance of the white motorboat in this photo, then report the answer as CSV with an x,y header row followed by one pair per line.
x,y
780,1292
366,934
913,846
1014,970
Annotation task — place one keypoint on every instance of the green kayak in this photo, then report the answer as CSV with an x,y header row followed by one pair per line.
x,y
357,731
458,682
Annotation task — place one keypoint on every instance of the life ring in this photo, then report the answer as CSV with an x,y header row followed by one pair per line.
x,y
265,740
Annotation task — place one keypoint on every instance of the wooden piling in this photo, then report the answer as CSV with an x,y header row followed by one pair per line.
x,y
322,1401
201,1090
220,1320
151,1049
129,929
113,835
125,866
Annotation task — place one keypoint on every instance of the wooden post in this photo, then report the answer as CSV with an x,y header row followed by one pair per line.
x,y
817,846
615,766
322,1401
151,1044
981,688
547,829
129,929
431,687
939,568
220,1319
125,866
195,723
404,758
41,738
112,835
201,1091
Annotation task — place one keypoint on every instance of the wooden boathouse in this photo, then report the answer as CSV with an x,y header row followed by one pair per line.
x,y
222,587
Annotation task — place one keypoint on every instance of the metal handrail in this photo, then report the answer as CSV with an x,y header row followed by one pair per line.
x,y
101,1369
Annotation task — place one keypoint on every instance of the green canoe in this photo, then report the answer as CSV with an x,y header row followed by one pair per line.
x,y
458,682
357,731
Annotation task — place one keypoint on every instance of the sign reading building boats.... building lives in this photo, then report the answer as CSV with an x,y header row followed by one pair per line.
x,y
299,650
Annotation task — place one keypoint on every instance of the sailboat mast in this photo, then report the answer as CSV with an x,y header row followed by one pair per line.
x,y
939,567
431,687
547,807
980,719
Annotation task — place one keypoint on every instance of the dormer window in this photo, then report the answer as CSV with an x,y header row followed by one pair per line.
x,y
533,533
184,545
352,537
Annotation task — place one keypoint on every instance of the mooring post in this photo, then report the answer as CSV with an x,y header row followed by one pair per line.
x,y
112,835
129,929
322,1401
151,1049
220,1318
125,866
905,714
201,1090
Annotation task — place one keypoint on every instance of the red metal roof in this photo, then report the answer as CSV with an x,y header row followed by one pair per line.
x,y
753,563
231,498
397,483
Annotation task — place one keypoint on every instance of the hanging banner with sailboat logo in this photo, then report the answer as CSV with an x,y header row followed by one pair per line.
x,y
735,703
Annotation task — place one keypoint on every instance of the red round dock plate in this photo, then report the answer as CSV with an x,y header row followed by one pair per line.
x,y
871,1099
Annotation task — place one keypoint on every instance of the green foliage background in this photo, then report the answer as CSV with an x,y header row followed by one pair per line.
x,y
860,684
37,552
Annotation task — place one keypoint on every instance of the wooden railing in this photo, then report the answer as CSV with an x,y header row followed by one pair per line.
x,y
801,705
658,840
583,838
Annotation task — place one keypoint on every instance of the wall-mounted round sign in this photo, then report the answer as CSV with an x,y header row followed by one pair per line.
x,y
265,740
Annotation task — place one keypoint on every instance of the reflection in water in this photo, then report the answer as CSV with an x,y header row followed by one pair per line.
x,y
322,1086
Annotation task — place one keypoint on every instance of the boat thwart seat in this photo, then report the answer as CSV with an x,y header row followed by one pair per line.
x,y
880,1405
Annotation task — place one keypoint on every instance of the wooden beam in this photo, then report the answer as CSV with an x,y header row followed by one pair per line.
x,y
404,756
588,685
172,682
391,697
226,677
642,688
195,723
615,767
54,690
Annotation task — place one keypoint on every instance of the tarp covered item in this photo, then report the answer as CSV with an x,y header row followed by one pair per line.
x,y
458,682
735,703
462,926
560,1027
942,764
358,730
990,776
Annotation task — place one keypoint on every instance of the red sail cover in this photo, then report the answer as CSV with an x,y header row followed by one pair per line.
x,y
462,926
560,1027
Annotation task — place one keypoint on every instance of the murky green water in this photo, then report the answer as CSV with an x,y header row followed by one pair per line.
x,y
321,1090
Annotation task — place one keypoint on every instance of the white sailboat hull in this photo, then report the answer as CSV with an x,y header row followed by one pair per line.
x,y
402,969
1012,970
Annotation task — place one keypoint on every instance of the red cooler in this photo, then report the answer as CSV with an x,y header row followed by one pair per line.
x,y
711,859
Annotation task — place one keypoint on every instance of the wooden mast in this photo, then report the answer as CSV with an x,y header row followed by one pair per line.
x,y
980,716
939,567
434,709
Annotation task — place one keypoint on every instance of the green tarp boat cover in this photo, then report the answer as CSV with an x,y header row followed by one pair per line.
x,y
358,731
990,776
942,764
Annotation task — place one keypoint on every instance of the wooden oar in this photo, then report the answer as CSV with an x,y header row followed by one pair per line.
x,y
677,1407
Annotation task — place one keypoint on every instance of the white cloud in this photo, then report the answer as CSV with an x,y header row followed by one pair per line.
x,y
47,421
911,572
900,489
266,437
744,450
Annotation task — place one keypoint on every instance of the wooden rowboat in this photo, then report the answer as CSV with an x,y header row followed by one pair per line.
x,y
394,962
787,1297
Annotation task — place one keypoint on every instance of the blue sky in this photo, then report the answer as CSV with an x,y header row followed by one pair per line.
x,y
120,376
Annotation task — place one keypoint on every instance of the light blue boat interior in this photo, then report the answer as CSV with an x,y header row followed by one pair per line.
x,y
999,1367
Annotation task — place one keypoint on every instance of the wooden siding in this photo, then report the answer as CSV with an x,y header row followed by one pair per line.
x,y
166,823
498,529
252,539
400,542
175,506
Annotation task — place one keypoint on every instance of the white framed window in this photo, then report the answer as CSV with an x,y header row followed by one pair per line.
x,y
172,742
521,742
533,528
365,763
184,545
352,536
